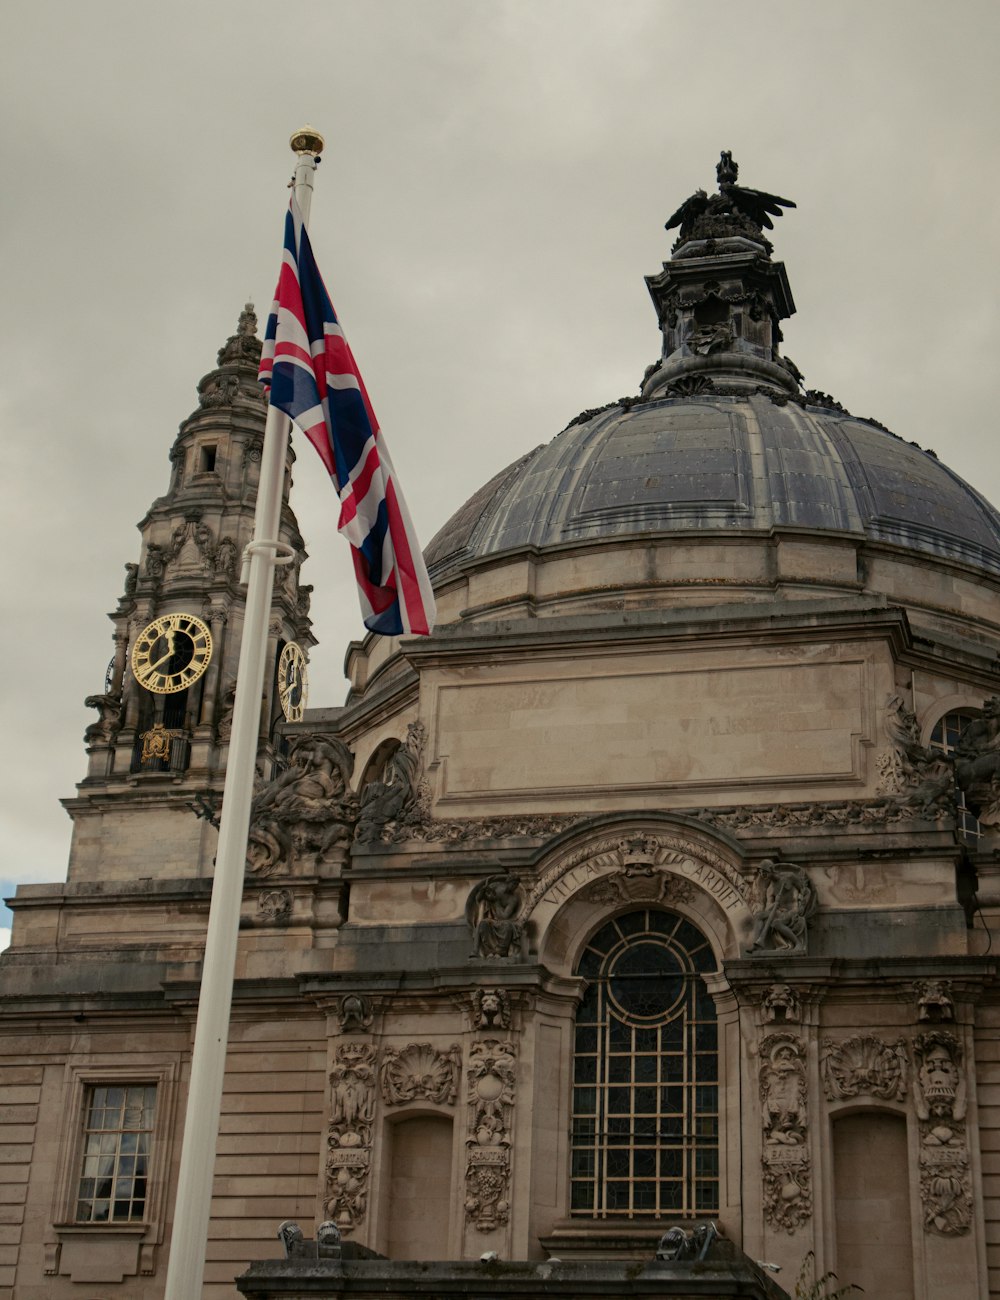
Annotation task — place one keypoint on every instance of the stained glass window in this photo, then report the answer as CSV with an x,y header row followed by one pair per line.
x,y
645,1112
117,1132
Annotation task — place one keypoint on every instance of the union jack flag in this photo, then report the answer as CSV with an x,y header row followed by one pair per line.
x,y
312,376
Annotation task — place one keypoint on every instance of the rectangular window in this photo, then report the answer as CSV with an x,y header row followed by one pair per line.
x,y
207,463
117,1136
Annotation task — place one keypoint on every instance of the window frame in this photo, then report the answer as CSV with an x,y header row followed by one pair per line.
x,y
601,1211
79,1079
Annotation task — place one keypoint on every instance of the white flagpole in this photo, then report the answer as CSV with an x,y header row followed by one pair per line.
x,y
186,1266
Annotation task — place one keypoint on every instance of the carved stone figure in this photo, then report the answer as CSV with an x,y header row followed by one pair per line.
x,y
354,1013
782,1090
780,1002
934,1001
735,210
155,561
131,582
939,1094
784,1118
307,812
977,764
226,556
107,726
864,1066
786,902
352,1094
204,539
227,708
491,1009
349,1134
939,1085
420,1071
491,1077
391,798
919,776
490,910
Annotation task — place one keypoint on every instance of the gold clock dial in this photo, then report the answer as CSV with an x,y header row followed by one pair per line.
x,y
293,684
171,653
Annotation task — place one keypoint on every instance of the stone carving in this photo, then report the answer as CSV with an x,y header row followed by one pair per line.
x,y
306,814
977,764
419,1071
155,561
349,1134
939,1094
225,557
864,1066
714,336
227,708
934,1001
635,857
780,1002
918,776
393,796
107,726
640,885
275,905
491,1009
492,1076
873,812
786,900
487,828
785,1159
252,451
733,211
490,910
939,1084
354,1013
131,582
689,386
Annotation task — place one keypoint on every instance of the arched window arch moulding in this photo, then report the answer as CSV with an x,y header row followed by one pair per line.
x,y
634,862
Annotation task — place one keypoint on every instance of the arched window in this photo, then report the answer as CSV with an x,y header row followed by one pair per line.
x,y
645,1126
945,737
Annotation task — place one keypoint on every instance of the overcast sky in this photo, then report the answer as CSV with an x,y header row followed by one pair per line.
x,y
493,190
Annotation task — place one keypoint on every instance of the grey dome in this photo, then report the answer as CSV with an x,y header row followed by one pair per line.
x,y
723,464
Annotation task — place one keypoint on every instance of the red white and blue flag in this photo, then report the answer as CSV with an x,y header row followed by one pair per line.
x,y
312,376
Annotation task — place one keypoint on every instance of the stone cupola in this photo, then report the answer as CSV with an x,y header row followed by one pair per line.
x,y
720,298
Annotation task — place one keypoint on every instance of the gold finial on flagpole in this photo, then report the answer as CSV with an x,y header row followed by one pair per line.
x,y
307,140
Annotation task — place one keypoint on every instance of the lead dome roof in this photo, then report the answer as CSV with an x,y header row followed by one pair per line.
x,y
721,464
723,437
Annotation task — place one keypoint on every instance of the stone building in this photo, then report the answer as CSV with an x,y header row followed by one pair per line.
x,y
657,886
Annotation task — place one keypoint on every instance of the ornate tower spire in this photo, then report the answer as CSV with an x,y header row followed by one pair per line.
x,y
170,733
720,297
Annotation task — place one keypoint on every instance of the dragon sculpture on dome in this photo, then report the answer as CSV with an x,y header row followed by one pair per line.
x,y
735,210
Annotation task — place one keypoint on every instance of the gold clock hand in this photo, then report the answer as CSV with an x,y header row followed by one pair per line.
x,y
169,655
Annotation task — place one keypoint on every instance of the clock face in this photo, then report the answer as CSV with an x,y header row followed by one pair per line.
x,y
293,687
171,653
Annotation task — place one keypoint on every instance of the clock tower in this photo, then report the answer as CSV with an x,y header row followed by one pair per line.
x,y
160,742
